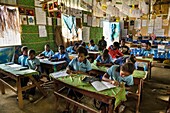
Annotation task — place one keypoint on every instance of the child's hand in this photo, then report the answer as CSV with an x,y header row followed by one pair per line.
x,y
68,71
116,83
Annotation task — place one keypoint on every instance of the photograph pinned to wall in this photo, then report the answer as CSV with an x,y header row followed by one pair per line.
x,y
144,22
58,14
84,18
51,14
30,12
31,20
56,5
45,7
22,11
50,6
23,19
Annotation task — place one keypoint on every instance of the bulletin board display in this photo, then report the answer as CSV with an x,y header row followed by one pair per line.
x,y
10,29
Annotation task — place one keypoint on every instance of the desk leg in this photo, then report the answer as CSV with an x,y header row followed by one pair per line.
x,y
2,87
150,69
19,90
110,108
38,85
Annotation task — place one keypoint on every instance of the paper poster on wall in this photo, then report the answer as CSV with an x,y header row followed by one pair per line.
x,y
23,19
97,22
59,21
159,32
85,18
31,20
137,24
42,31
10,30
150,29
86,34
37,3
144,22
101,22
111,31
89,20
124,33
49,21
93,21
40,16
158,23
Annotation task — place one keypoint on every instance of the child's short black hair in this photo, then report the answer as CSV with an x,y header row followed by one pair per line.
x,y
62,47
83,50
76,44
148,43
24,48
128,67
91,41
116,44
83,44
47,45
106,53
31,51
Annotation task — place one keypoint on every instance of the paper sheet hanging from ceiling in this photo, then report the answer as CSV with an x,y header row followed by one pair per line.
x,y
86,34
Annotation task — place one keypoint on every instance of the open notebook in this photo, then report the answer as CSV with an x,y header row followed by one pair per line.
x,y
102,85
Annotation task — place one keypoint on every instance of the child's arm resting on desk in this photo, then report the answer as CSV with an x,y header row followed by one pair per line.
x,y
106,78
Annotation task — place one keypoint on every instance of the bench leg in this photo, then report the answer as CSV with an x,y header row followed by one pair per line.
x,y
19,90
2,87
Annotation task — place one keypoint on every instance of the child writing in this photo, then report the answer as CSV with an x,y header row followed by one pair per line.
x,y
33,63
93,46
61,55
105,59
79,65
47,52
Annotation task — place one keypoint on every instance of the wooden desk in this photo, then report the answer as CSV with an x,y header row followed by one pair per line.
x,y
52,66
148,61
112,97
14,73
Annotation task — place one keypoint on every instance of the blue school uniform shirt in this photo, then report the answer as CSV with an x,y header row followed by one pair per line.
x,y
61,56
33,63
70,49
93,48
22,60
147,52
114,75
84,66
48,53
108,60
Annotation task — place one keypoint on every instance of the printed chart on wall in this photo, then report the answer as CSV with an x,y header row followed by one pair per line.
x,y
10,29
111,31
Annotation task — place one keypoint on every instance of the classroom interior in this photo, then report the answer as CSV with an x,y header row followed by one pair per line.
x,y
70,56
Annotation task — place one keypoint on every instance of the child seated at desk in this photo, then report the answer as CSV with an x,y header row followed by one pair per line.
x,y
79,65
61,55
105,59
148,52
22,59
33,63
72,49
84,45
47,52
93,46
114,50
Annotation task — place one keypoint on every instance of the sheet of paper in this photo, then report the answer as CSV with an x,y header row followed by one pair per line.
x,y
31,20
158,23
89,20
137,24
85,18
40,16
86,34
109,85
124,32
37,3
99,86
93,21
151,22
150,29
49,20
42,31
159,32
59,74
144,22
59,21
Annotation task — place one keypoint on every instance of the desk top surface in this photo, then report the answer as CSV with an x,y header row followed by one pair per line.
x,y
144,59
17,70
46,61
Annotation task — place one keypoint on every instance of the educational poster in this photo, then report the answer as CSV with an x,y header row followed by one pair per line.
x,y
69,31
42,31
84,18
86,34
144,23
137,24
158,23
49,21
89,20
151,22
111,31
150,29
58,21
37,3
159,32
50,6
10,29
124,33
40,16
31,20
23,19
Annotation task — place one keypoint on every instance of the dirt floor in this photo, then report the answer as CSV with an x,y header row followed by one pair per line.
x,y
154,99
